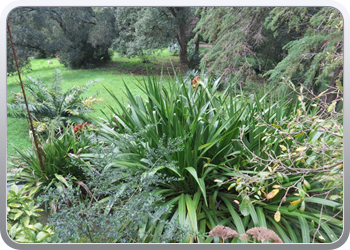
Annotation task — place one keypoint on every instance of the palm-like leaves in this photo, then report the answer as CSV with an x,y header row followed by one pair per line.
x,y
49,104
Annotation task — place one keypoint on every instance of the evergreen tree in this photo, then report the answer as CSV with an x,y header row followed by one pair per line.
x,y
84,35
234,33
146,29
79,36
315,58
27,36
302,44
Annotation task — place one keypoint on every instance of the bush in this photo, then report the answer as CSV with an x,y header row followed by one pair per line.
x,y
174,48
298,166
51,108
187,158
226,164
205,121
124,204
60,159
23,218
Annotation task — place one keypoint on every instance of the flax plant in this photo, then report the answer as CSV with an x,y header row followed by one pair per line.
x,y
224,171
206,121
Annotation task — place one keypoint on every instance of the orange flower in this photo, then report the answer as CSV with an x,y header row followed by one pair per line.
x,y
77,128
194,82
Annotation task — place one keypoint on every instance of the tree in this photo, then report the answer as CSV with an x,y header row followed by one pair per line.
x,y
302,44
84,35
314,59
80,36
235,33
146,29
27,35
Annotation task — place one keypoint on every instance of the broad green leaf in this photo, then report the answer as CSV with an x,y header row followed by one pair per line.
x,y
261,216
182,210
331,107
244,206
310,159
302,207
312,224
280,231
200,182
331,234
13,231
291,231
231,186
14,188
14,205
307,184
279,177
17,215
253,213
191,209
26,221
41,236
236,218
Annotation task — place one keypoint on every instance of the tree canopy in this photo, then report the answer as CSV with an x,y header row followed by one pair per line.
x,y
146,29
301,44
79,36
316,57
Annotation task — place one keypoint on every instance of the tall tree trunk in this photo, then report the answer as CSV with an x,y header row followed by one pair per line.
x,y
181,33
182,40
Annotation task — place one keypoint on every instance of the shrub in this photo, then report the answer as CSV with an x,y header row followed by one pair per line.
x,y
23,218
174,48
124,204
194,58
59,154
52,108
206,121
232,159
296,176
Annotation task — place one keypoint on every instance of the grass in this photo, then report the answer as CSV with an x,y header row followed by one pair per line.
x,y
112,75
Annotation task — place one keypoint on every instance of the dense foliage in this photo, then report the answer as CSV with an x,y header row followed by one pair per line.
x,y
186,160
303,44
23,224
145,29
206,159
316,57
79,37
52,108
224,143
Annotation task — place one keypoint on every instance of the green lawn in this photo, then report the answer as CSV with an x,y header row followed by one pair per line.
x,y
112,75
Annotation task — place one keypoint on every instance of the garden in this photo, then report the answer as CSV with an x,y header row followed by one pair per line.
x,y
140,139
